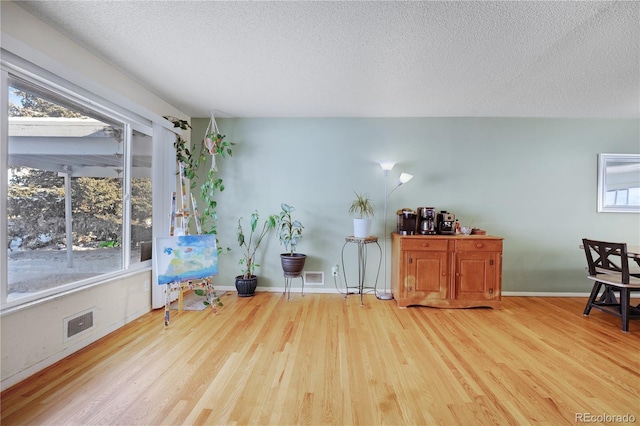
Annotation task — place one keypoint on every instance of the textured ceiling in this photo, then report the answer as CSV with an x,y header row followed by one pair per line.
x,y
369,59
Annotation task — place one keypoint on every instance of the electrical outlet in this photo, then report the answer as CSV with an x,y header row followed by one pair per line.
x,y
147,285
334,270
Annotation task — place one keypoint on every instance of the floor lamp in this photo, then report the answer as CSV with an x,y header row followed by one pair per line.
x,y
404,178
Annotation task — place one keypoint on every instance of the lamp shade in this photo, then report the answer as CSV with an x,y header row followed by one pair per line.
x,y
387,165
404,178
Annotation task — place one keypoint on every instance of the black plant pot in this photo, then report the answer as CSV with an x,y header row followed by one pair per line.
x,y
246,286
292,264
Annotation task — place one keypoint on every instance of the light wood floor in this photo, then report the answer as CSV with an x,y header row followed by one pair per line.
x,y
319,359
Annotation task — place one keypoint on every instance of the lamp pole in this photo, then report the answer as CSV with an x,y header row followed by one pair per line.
x,y
404,178
386,295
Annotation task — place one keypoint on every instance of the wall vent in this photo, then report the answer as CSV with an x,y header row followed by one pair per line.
x,y
313,278
79,323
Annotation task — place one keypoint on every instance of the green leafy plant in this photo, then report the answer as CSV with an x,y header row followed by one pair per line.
x,y
250,242
184,155
192,161
289,230
213,144
202,292
213,183
362,206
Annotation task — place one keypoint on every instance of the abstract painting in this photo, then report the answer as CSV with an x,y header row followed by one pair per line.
x,y
185,257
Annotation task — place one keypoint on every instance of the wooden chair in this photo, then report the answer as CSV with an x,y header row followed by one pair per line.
x,y
608,266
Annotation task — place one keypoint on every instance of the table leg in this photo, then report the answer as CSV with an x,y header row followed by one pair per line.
x,y
362,269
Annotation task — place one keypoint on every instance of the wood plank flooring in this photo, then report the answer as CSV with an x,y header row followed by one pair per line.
x,y
319,359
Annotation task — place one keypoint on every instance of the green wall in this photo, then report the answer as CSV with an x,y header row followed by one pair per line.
x,y
531,181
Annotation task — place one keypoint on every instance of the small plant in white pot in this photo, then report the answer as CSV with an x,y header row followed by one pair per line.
x,y
362,211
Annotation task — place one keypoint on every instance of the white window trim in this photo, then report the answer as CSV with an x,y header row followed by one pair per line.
x,y
24,61
4,157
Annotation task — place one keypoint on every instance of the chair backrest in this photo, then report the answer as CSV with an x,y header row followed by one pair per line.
x,y
604,257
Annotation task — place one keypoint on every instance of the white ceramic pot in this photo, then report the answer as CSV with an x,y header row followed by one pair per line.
x,y
361,227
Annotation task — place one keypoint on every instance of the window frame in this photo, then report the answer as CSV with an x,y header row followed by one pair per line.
x,y
12,65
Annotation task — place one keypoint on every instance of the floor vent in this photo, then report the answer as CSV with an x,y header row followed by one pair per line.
x,y
78,323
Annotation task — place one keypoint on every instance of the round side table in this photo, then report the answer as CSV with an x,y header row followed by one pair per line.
x,y
362,244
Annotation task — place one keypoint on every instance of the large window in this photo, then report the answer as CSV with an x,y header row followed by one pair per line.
x,y
79,192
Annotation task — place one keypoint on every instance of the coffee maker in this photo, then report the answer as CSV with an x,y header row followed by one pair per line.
x,y
446,223
406,221
427,223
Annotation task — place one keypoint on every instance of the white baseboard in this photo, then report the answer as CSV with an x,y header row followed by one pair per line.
x,y
542,294
295,288
311,290
550,294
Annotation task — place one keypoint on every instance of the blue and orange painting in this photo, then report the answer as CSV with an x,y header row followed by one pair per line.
x,y
186,257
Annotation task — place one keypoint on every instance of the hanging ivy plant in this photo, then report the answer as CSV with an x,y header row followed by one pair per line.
x,y
183,154
212,144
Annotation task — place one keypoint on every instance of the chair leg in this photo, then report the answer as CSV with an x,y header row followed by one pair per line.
x,y
624,308
608,295
592,298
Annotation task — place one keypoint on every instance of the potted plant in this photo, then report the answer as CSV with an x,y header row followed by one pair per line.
x,y
193,159
247,282
216,145
289,233
362,210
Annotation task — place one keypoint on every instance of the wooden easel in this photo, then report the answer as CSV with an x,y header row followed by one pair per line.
x,y
181,216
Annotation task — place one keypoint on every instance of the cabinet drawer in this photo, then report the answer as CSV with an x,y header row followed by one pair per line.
x,y
479,245
424,244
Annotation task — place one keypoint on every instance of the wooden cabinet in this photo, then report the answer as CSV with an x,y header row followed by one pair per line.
x,y
448,271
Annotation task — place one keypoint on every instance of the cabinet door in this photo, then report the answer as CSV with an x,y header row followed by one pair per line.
x,y
476,275
427,273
